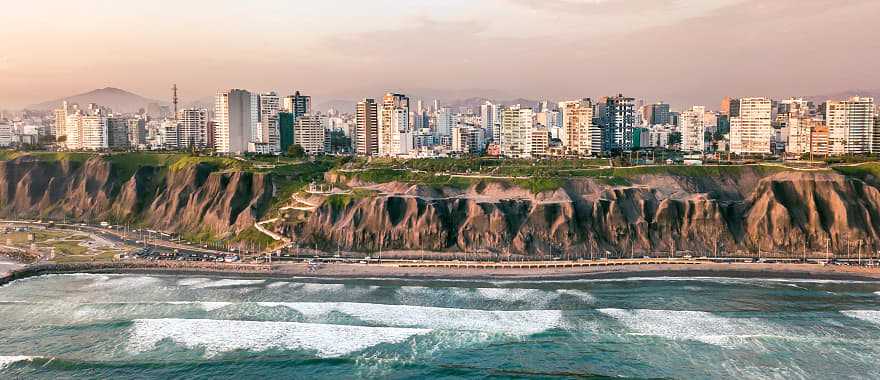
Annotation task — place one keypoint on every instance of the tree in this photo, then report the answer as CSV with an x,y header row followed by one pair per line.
x,y
296,151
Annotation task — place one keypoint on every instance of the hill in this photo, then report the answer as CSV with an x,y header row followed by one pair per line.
x,y
117,99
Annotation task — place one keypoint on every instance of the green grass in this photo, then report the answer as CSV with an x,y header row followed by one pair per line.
x,y
862,171
253,235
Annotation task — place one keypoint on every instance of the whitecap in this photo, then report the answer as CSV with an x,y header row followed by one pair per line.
x,y
518,322
584,296
205,305
5,361
689,325
218,336
125,282
224,283
872,316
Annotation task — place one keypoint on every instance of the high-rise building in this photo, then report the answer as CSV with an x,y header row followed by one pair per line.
x,y
540,142
725,105
394,119
137,132
311,134
658,114
579,135
117,133
236,116
367,128
192,129
617,115
285,130
876,141
445,122
297,104
466,140
58,128
401,135
819,140
267,129
170,136
516,132
750,125
93,132
693,129
490,117
850,125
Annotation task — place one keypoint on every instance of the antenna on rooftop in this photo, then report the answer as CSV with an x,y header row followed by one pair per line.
x,y
174,100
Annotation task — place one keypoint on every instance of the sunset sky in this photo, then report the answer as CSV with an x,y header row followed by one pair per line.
x,y
680,51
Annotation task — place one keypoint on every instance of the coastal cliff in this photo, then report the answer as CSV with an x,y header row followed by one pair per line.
x,y
746,209
197,197
622,211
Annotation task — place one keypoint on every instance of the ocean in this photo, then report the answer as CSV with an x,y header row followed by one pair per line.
x,y
167,327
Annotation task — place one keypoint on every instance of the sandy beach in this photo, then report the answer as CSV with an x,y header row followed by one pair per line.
x,y
357,271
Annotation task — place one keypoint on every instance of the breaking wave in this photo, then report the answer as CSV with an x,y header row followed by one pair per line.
x,y
525,322
697,326
219,336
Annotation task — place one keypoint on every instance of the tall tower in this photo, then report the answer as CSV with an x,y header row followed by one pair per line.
x,y
174,100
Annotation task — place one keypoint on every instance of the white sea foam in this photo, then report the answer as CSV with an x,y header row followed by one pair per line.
x,y
537,298
128,282
205,305
584,296
207,283
519,322
689,325
218,336
872,316
192,281
5,361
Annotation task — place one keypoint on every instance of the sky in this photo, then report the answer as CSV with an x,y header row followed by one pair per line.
x,y
680,51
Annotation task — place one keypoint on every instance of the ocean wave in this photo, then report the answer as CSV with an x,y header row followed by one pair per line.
x,y
520,322
218,336
125,282
872,316
536,298
6,361
205,283
697,326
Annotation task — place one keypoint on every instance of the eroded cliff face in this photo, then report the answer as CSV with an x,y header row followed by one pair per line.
x,y
747,211
193,199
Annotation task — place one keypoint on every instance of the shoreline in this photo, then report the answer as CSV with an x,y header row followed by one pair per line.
x,y
394,273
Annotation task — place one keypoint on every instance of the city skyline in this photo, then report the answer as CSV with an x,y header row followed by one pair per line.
x,y
680,52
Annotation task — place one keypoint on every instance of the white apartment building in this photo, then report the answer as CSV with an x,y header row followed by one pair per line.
x,y
311,134
6,135
516,132
267,131
691,124
192,128
466,140
236,119
579,134
393,120
393,131
850,125
445,122
93,131
750,126
490,118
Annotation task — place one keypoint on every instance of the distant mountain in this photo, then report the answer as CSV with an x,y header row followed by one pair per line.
x,y
117,99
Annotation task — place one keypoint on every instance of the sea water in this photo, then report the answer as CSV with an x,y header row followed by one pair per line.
x,y
151,326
